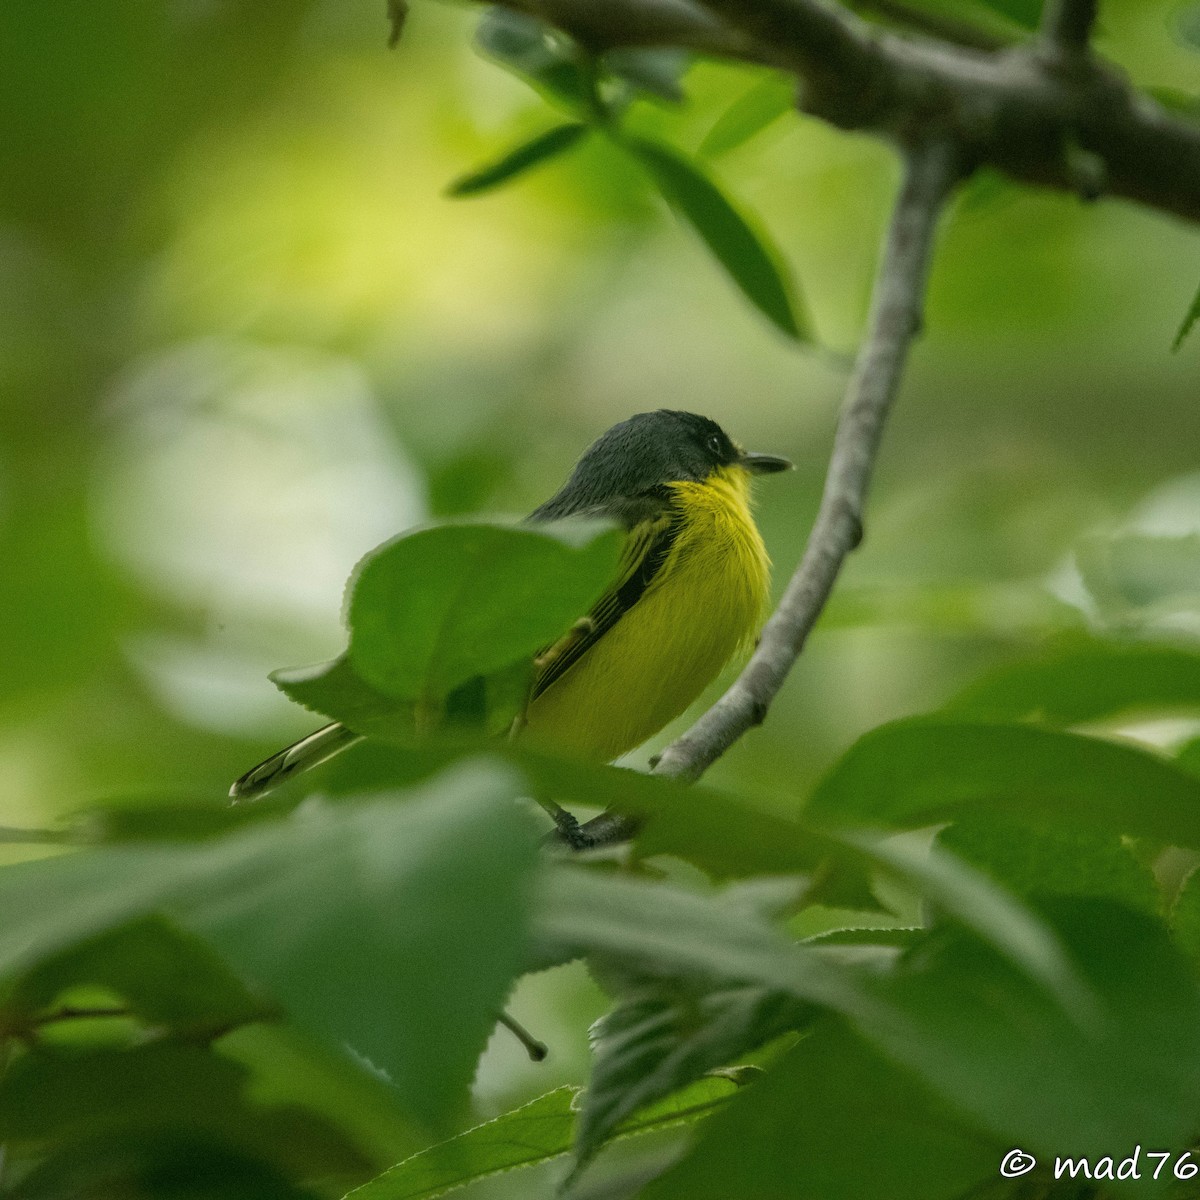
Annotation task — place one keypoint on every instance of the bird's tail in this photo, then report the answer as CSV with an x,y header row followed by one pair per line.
x,y
300,756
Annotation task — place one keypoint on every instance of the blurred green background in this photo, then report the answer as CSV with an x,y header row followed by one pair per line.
x,y
245,337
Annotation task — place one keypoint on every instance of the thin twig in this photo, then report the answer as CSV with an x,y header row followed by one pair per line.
x,y
931,170
536,1050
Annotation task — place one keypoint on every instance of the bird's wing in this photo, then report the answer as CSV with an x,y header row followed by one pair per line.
x,y
646,549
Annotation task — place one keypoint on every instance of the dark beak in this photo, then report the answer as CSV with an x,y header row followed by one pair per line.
x,y
765,464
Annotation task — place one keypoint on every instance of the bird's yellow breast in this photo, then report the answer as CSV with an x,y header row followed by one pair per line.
x,y
703,605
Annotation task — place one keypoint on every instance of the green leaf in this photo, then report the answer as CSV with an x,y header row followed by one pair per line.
x,y
749,115
395,926
434,608
663,1036
1085,683
334,689
744,253
833,1120
535,52
1037,863
1189,319
1015,1064
291,1067
518,160
165,975
914,773
57,1100
1185,916
535,1133
665,930
1026,13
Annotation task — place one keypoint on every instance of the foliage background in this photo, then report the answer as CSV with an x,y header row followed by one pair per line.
x,y
244,337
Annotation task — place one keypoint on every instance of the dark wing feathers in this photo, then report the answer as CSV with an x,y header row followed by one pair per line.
x,y
646,549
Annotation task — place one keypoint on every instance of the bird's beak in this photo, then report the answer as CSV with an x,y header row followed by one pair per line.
x,y
765,464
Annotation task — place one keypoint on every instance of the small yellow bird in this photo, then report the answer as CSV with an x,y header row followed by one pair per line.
x,y
689,593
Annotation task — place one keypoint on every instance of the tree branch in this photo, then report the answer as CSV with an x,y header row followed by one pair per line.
x,y
931,170
1015,109
1067,24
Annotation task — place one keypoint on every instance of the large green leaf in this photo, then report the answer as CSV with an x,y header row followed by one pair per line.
x,y
1009,1059
437,607
1058,862
1085,682
538,1132
395,926
833,1120
921,772
166,977
518,160
744,253
93,1103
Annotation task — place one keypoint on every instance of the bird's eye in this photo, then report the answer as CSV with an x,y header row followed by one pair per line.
x,y
715,445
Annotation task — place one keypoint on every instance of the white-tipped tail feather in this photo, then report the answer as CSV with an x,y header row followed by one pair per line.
x,y
300,756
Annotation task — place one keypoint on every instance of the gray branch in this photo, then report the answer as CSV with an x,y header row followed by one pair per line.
x,y
1067,24
1017,109
931,170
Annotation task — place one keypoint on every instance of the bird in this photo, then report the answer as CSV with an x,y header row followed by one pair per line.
x,y
688,595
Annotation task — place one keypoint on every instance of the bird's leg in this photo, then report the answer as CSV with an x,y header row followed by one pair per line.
x,y
567,827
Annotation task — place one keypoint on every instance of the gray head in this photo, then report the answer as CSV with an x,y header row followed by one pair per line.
x,y
636,458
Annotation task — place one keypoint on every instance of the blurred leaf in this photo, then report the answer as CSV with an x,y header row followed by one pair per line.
x,y
833,1120
535,1133
53,1100
291,1066
1015,1064
1186,25
1127,573
920,772
433,608
165,975
1189,319
394,927
335,689
517,161
1033,863
1179,101
537,53
1026,13
1185,916
661,1037
654,70
1085,682
744,253
750,114
663,930
973,901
